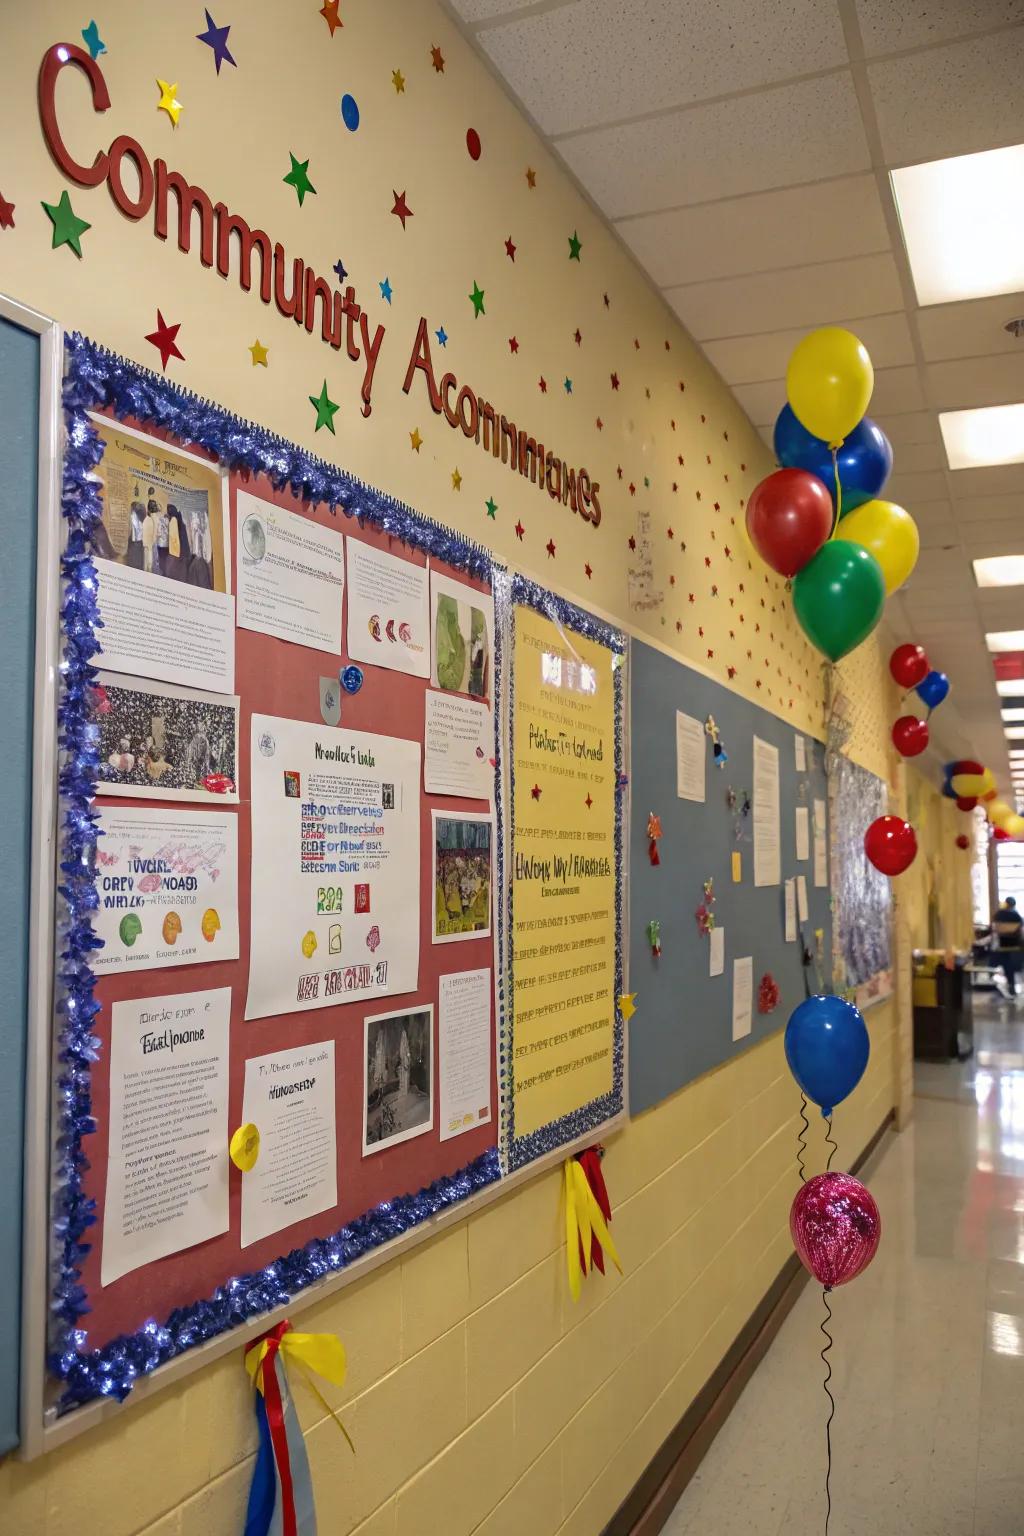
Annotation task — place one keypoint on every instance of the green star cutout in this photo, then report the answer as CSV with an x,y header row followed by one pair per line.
x,y
491,505
477,300
647,480
68,229
325,410
298,179
574,246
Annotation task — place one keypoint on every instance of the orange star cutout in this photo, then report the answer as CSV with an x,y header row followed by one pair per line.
x,y
329,12
437,59
531,176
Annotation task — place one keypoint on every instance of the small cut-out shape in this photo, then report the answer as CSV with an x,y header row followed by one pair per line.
x,y
653,836
654,937
768,994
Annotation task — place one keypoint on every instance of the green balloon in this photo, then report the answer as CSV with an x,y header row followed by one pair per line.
x,y
839,597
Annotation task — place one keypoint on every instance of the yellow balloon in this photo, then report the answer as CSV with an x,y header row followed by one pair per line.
x,y
967,784
889,533
829,382
999,812
1014,825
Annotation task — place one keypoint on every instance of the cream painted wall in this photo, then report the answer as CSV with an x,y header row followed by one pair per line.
x,y
479,1397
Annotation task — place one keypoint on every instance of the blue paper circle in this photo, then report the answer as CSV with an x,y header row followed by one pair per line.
x,y
350,112
352,679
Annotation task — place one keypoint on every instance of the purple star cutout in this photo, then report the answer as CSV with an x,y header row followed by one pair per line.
x,y
339,267
216,38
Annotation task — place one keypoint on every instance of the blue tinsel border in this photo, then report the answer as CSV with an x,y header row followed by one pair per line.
x,y
94,379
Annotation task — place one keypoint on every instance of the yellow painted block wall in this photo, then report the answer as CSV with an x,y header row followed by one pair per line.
x,y
480,1399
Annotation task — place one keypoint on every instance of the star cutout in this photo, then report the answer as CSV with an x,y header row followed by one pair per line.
x,y
520,530
476,298
437,59
599,424
68,229
385,290
492,507
632,542
401,208
325,410
298,179
93,41
542,385
627,1006
568,386
575,244
588,802
632,488
341,271
535,792
531,177
513,344
169,102
615,381
415,439
607,301
550,547
329,12
442,336
164,339
216,38
259,353
510,249
456,479
588,571
578,336
398,81
6,213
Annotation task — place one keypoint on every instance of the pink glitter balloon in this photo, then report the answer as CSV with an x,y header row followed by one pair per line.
x,y
835,1226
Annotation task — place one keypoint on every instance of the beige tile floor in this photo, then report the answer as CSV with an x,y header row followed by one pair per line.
x,y
928,1363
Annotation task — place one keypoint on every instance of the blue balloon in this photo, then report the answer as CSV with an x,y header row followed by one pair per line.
x,y
864,460
827,1048
933,689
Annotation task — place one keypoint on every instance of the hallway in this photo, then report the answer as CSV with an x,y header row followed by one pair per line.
x,y
928,1363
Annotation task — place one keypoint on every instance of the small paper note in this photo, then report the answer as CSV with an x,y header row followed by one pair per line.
x,y
742,996
803,832
691,758
737,866
716,952
790,911
801,897
800,754
820,859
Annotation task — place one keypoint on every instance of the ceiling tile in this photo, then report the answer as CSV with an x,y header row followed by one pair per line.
x,y
806,131
972,381
887,26
798,296
914,457
1005,533
599,61
762,402
488,10
995,480
987,509
905,431
971,328
951,101
896,390
909,489
751,359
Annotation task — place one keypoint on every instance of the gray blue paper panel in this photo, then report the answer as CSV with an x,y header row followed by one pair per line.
x,y
683,1021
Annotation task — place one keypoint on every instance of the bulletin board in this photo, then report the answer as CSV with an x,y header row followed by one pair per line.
x,y
266,982
862,959
683,1023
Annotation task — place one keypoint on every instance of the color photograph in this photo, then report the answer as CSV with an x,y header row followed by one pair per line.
x,y
165,743
462,624
462,877
399,1077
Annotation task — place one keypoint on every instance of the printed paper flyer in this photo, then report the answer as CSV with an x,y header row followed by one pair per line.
x,y
335,866
563,871
167,887
289,1097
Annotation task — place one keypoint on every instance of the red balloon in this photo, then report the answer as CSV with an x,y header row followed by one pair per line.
x,y
963,841
966,802
891,844
964,765
909,665
836,1227
1000,836
910,735
789,518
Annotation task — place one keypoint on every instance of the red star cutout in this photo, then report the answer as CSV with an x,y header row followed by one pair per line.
x,y
707,560
588,802
698,495
329,12
636,343
691,596
577,336
615,381
6,213
759,682
668,347
550,547
164,339
728,552
510,250
588,572
700,630
682,386
607,301
542,385
520,530
711,654
714,591
531,177
670,533
535,792
679,627
513,344
600,424
703,417
672,581
682,461
632,488
732,672
618,470
437,59
717,507
632,542
401,209
743,466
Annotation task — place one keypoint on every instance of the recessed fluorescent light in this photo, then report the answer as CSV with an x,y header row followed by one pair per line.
x,y
999,571
1008,687
1012,714
1014,733
1005,640
992,434
963,224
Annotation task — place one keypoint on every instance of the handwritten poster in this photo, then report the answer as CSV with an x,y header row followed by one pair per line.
x,y
767,867
562,871
803,835
335,915
742,996
289,1098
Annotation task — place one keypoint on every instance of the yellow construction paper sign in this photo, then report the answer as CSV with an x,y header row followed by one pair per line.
x,y
737,867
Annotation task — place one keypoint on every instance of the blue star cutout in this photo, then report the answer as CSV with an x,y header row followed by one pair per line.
x,y
385,290
339,267
216,38
93,41
442,337
568,386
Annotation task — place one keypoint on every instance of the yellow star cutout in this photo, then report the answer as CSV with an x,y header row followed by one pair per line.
x,y
627,1005
259,353
398,80
415,439
456,480
169,102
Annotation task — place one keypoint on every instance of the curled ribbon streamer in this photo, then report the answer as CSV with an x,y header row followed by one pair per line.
x,y
583,1222
835,447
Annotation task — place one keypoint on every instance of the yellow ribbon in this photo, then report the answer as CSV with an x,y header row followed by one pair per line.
x,y
834,448
319,1353
583,1219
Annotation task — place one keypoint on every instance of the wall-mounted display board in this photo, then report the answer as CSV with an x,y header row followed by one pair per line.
x,y
292,838
862,958
724,792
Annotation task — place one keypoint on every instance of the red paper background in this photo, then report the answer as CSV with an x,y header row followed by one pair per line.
x,y
275,677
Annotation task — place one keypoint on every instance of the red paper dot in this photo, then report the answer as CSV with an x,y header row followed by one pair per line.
x,y
473,143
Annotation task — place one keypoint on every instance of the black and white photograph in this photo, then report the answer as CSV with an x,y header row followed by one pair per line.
x,y
399,1077
165,743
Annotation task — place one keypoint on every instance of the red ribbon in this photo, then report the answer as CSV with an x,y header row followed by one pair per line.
x,y
275,1422
590,1161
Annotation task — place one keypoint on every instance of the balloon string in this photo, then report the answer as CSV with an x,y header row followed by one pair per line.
x,y
830,1141
832,1411
839,492
801,1139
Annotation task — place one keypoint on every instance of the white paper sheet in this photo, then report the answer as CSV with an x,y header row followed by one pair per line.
x,y
167,886
464,1031
291,575
742,996
767,867
801,898
820,853
803,833
388,610
289,1098
167,1154
790,911
691,758
461,637
716,951
458,746
800,754
335,908
166,630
